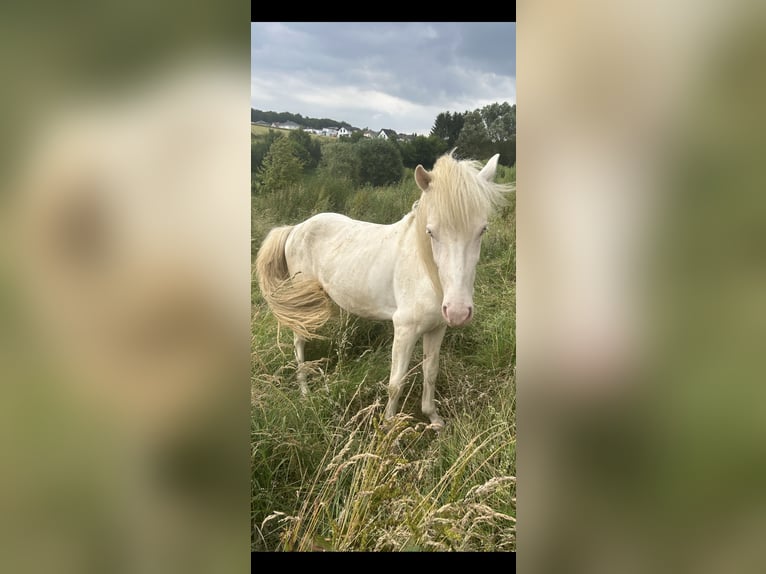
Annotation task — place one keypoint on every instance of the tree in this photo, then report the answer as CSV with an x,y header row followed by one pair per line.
x,y
447,127
477,134
380,162
355,136
473,141
259,147
456,123
441,126
341,161
270,117
422,150
281,167
500,121
308,148
507,151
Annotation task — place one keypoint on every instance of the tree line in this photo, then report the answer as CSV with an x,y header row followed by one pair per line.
x,y
306,122
480,133
278,159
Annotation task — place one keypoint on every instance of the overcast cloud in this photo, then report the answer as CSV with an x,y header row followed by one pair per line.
x,y
382,75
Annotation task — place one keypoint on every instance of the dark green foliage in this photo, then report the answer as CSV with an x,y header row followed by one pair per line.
x,y
341,161
259,147
422,150
380,162
309,149
507,151
316,123
478,134
281,168
473,141
500,121
383,204
439,128
447,127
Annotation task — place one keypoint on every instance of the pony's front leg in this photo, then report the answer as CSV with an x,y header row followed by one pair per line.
x,y
300,357
405,338
432,342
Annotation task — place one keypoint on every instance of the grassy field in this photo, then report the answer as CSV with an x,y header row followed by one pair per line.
x,y
325,476
262,131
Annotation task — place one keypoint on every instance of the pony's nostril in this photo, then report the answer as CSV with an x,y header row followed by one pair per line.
x,y
444,309
470,313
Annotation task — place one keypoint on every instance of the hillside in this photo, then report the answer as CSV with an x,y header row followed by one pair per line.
x,y
316,123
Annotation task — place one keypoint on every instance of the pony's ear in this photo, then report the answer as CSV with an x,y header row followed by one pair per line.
x,y
422,177
488,171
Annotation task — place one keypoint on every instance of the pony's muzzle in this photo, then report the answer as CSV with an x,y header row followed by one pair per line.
x,y
457,314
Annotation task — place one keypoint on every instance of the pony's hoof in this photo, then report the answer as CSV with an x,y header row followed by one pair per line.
x,y
437,424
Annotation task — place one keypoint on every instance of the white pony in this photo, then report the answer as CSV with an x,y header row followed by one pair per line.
x,y
418,272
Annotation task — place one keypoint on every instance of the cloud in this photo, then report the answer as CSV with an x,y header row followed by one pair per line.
x,y
400,73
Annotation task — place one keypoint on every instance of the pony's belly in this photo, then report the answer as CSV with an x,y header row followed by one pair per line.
x,y
360,289
360,305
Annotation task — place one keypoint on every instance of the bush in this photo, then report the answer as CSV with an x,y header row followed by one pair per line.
x,y
507,151
383,204
336,189
341,161
308,148
281,167
380,162
422,150
259,147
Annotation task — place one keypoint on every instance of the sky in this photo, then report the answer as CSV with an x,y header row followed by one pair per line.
x,y
396,75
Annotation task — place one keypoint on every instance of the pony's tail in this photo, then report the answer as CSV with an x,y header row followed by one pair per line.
x,y
300,304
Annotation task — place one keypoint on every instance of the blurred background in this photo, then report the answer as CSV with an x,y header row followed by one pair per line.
x,y
124,287
641,286
641,298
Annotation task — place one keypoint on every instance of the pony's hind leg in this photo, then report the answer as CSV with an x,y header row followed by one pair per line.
x,y
432,342
300,357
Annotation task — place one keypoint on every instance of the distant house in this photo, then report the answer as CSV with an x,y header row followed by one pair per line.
x,y
261,123
387,135
286,125
344,132
330,132
368,134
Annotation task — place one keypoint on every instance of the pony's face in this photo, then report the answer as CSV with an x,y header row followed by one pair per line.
x,y
456,253
456,208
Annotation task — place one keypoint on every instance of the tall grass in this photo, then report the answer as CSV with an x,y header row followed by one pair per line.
x,y
325,473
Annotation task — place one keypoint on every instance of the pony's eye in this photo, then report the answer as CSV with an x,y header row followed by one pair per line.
x,y
484,229
431,233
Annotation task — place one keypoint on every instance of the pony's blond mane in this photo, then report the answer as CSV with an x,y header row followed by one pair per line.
x,y
456,197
